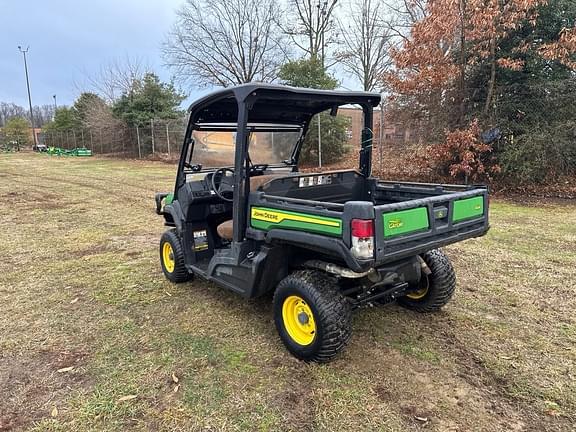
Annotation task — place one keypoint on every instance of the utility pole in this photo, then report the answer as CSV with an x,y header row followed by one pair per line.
x,y
381,133
55,104
319,143
29,97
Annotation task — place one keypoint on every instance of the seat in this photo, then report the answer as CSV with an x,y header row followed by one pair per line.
x,y
226,229
257,182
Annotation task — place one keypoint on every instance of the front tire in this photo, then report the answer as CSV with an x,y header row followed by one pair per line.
x,y
435,289
312,318
172,258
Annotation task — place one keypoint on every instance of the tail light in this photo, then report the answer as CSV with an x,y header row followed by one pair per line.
x,y
362,238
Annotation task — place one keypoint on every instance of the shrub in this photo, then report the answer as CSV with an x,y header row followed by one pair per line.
x,y
17,130
541,154
463,156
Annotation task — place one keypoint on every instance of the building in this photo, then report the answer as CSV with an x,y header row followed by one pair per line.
x,y
392,133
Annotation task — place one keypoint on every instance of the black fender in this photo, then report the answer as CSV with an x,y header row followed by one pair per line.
x,y
329,245
158,198
174,210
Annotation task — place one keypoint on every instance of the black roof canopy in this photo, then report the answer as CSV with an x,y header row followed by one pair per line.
x,y
270,103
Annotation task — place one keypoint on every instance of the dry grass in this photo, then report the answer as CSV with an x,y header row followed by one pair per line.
x,y
80,286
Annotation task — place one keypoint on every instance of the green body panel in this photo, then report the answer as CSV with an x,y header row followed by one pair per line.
x,y
468,208
169,198
405,221
267,218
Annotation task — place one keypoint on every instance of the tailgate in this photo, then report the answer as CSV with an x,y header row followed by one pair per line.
x,y
411,227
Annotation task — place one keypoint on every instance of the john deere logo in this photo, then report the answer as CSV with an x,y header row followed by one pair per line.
x,y
477,207
259,214
395,223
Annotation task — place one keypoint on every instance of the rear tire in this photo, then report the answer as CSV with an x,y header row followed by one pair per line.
x,y
436,289
172,258
312,318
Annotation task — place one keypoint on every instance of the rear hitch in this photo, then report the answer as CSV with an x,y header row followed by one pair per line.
x,y
380,294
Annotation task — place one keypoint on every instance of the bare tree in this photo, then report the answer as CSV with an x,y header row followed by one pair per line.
x,y
100,116
402,15
43,114
115,77
225,42
10,110
365,40
314,22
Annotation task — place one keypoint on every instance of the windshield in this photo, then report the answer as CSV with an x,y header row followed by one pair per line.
x,y
216,148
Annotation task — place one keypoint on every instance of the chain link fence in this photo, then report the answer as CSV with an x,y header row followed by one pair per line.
x,y
156,137
536,130
163,140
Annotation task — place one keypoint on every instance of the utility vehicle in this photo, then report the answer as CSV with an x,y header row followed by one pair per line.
x,y
243,216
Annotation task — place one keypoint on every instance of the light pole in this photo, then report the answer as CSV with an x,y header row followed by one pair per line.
x,y
29,97
319,142
55,105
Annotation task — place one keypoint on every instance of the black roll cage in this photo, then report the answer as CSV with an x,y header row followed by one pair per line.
x,y
268,103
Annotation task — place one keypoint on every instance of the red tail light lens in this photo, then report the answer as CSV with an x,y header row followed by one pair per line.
x,y
362,228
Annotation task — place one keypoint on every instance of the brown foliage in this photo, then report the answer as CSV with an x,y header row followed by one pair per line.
x,y
563,50
462,154
433,63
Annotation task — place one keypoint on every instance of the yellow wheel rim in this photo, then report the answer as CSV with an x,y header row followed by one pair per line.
x,y
421,293
298,320
168,257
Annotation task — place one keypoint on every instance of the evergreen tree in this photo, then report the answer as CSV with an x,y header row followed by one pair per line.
x,y
64,119
86,103
311,74
147,99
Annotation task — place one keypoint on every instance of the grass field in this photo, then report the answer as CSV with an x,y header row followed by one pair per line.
x,y
93,338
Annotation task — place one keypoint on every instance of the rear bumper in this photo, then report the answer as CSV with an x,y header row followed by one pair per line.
x,y
406,247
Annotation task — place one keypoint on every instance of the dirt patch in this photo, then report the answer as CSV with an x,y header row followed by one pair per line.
x,y
32,386
296,402
132,246
34,199
139,242
383,393
93,250
15,197
416,415
497,389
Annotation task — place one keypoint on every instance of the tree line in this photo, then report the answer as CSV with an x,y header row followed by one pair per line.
x,y
484,85
487,85
492,83
42,113
146,98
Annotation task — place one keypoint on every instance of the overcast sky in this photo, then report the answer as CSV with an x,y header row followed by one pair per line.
x,y
69,38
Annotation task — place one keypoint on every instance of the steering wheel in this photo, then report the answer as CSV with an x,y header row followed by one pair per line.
x,y
223,184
